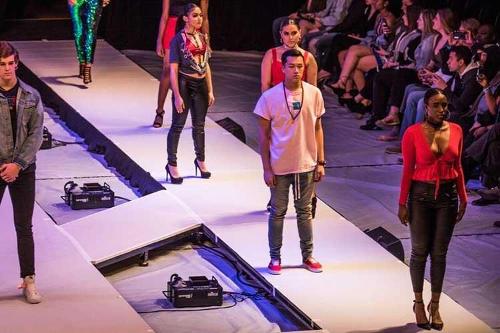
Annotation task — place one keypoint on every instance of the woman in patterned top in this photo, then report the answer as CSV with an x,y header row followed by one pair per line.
x,y
191,83
171,10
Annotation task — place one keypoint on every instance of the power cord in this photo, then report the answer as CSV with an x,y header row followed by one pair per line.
x,y
234,263
60,143
118,197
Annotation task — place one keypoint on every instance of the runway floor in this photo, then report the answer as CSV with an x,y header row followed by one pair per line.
x,y
363,287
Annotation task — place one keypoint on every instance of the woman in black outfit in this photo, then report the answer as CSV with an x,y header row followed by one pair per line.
x,y
191,83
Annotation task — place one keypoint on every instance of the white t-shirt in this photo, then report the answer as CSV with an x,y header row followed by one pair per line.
x,y
293,141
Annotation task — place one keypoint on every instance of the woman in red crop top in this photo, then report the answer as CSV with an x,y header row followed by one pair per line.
x,y
432,177
171,9
271,70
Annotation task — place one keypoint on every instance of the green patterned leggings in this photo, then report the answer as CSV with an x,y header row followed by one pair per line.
x,y
85,15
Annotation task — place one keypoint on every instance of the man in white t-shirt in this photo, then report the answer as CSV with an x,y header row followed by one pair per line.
x,y
291,148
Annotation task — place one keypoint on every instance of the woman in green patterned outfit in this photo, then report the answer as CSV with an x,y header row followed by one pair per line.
x,y
85,15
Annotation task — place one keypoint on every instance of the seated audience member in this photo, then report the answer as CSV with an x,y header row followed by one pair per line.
x,y
486,48
343,36
399,70
305,12
362,58
443,23
324,21
485,152
405,76
485,36
466,33
407,3
271,67
484,110
463,89
482,143
357,12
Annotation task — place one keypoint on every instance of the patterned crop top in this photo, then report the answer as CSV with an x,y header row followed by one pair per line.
x,y
191,56
193,47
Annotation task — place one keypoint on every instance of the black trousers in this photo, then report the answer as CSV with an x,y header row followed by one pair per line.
x,y
432,220
22,194
484,151
389,88
194,92
339,43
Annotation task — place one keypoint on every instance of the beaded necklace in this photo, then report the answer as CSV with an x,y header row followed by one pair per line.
x,y
288,106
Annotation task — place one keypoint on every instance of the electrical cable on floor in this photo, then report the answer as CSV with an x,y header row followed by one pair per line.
x,y
118,197
260,292
234,263
60,143
69,142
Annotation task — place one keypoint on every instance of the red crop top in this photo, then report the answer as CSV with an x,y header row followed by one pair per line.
x,y
421,164
277,75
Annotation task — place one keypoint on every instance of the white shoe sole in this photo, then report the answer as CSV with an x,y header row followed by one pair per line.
x,y
312,269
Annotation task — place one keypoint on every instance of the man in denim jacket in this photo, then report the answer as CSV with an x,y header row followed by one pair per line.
x,y
21,123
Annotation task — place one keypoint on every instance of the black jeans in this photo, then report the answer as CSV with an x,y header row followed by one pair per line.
x,y
22,194
194,92
431,226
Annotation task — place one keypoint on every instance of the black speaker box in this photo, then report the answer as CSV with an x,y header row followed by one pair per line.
x,y
232,127
388,241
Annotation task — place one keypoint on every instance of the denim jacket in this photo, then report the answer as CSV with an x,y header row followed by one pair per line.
x,y
29,110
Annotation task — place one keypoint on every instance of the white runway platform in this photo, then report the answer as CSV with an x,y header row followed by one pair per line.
x,y
363,288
